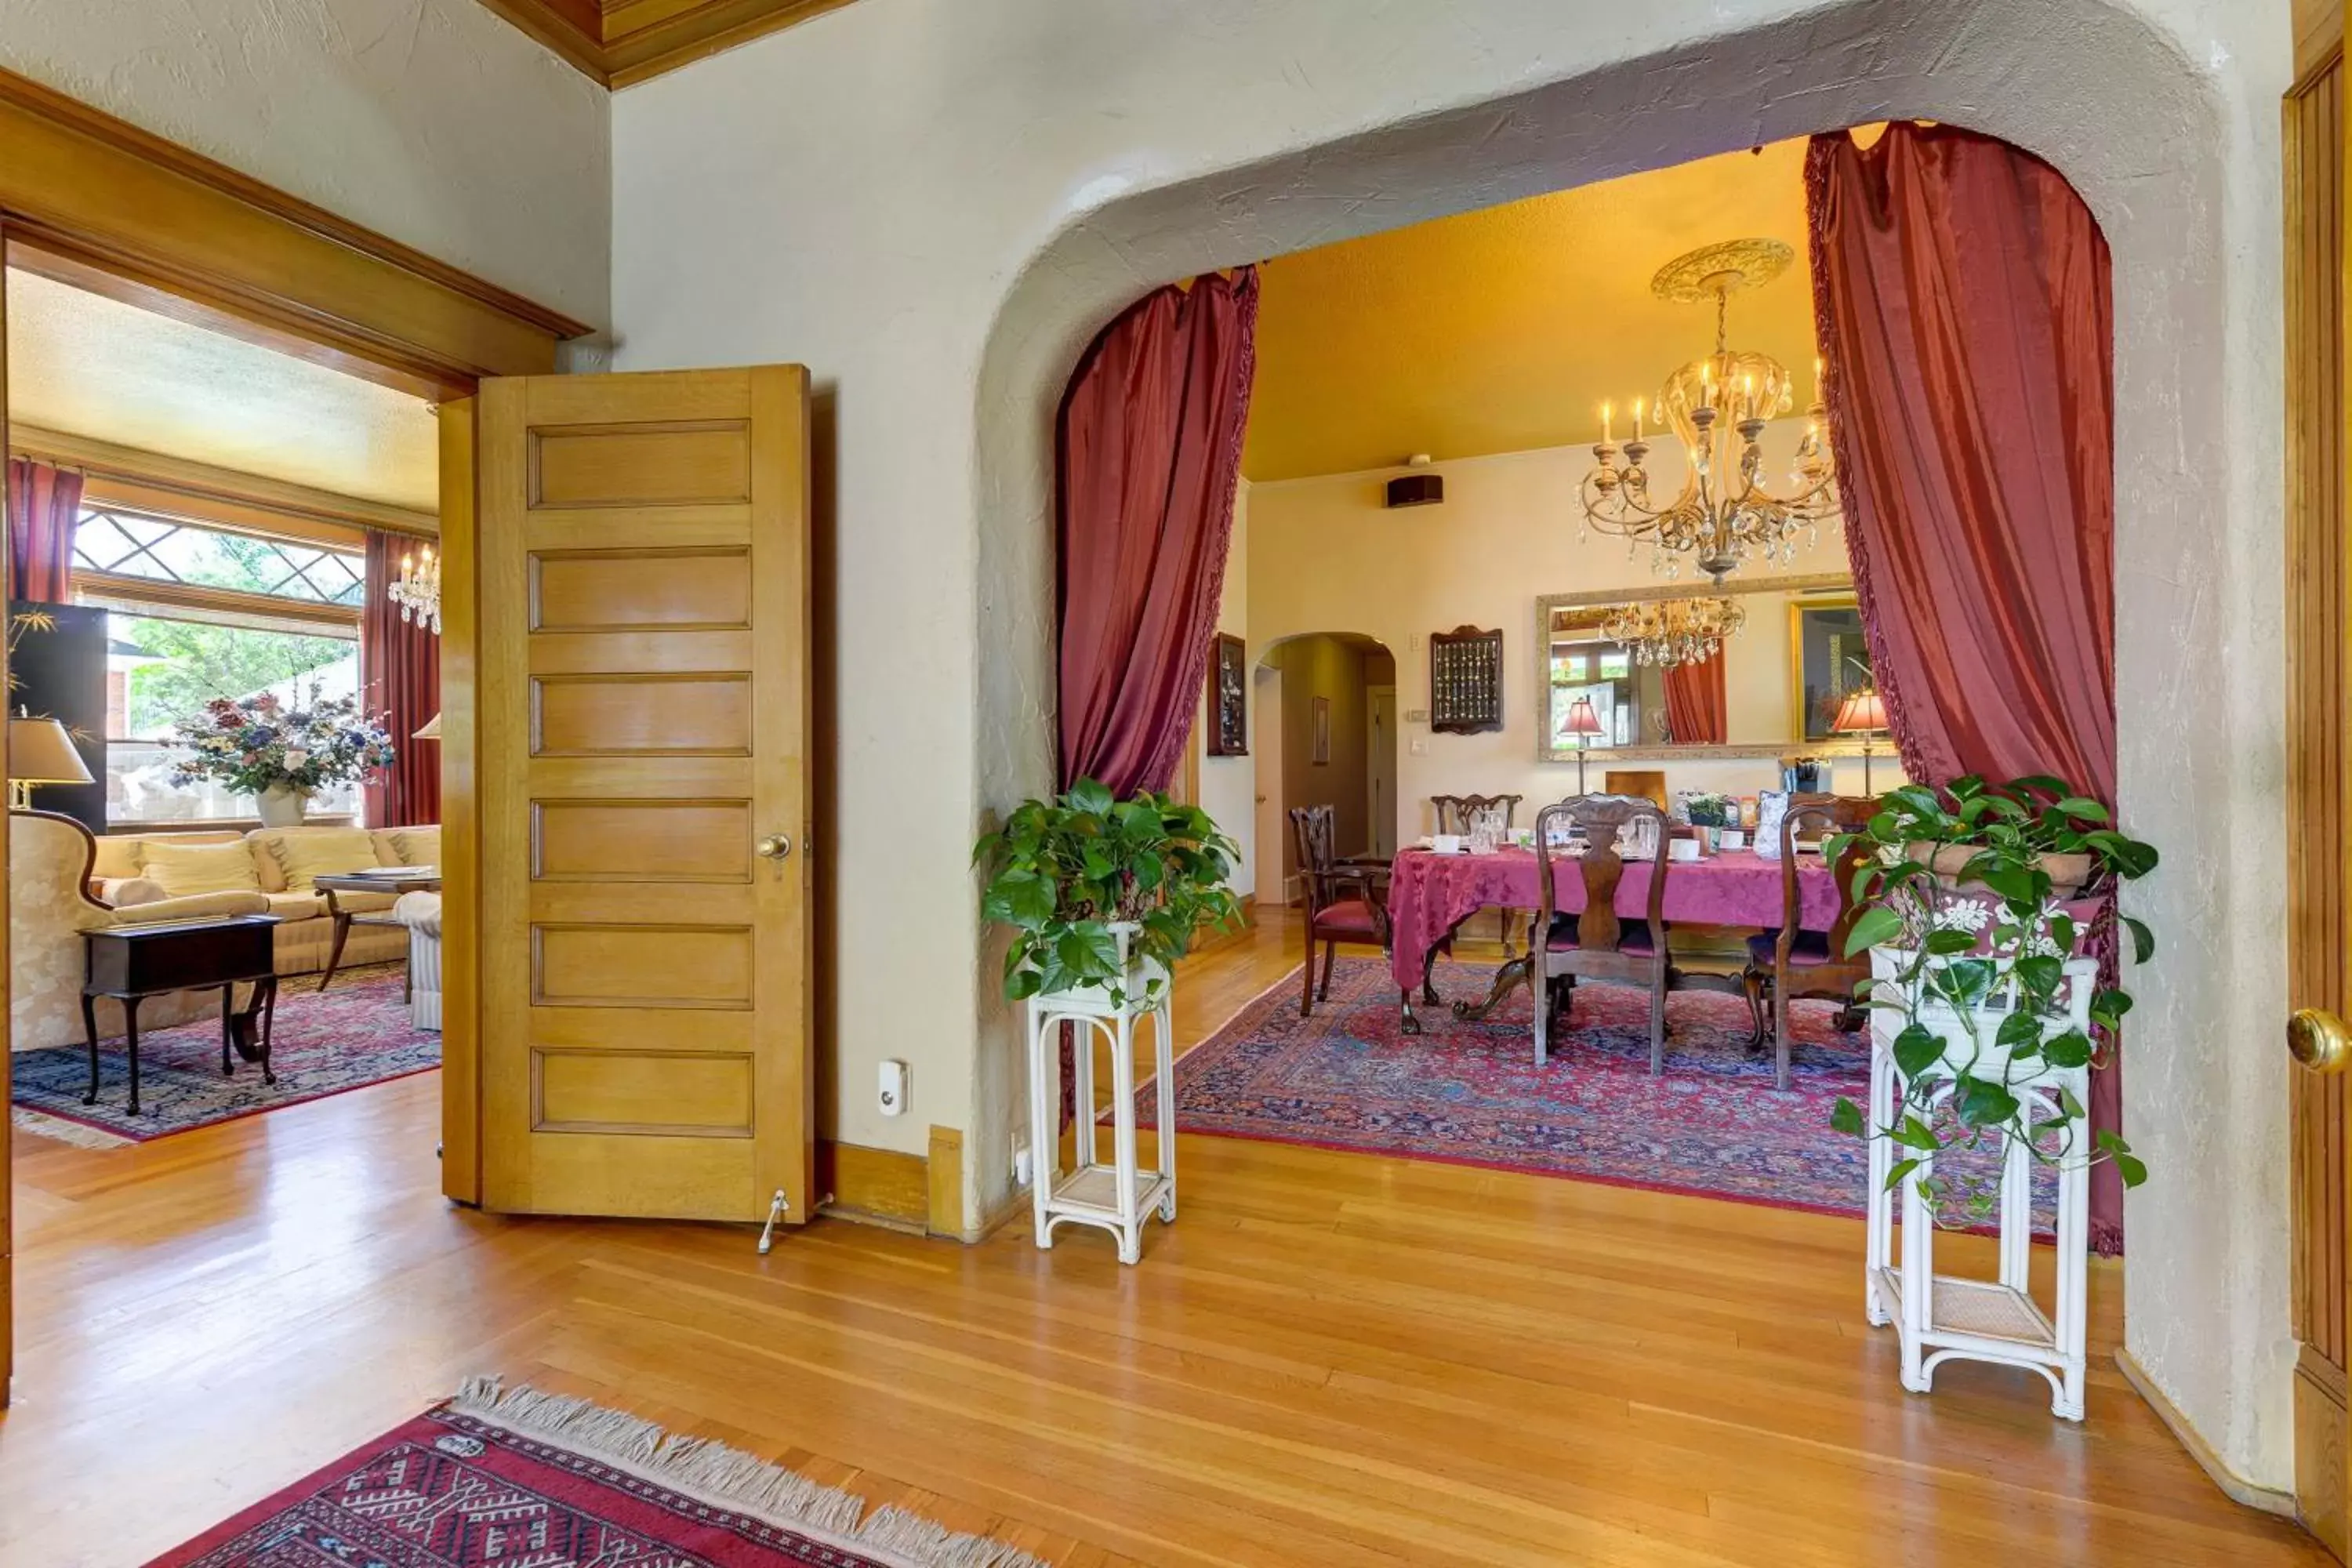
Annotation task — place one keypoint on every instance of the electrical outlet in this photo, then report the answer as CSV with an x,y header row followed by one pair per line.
x,y
1021,1167
890,1091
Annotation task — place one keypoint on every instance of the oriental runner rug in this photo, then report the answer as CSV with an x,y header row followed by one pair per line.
x,y
1470,1093
354,1033
532,1480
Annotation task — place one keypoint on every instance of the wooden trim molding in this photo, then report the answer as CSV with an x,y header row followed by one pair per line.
x,y
2235,1486
99,202
876,1187
619,43
150,481
203,600
945,1162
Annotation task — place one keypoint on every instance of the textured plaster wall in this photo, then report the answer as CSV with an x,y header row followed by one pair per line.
x,y
935,204
1505,535
431,120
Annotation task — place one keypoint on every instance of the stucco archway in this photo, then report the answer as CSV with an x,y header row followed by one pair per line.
x,y
2101,90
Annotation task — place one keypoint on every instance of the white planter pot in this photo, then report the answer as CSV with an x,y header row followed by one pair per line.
x,y
1143,985
281,805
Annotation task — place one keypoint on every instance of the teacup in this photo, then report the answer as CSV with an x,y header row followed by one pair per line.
x,y
1445,843
1732,838
1682,849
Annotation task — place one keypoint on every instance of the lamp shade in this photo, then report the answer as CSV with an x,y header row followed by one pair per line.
x,y
1582,720
432,731
40,751
1861,711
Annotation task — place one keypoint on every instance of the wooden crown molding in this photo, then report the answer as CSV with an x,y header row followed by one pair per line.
x,y
100,203
618,43
137,479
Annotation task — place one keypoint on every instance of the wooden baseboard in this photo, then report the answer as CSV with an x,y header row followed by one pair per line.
x,y
2235,1486
916,1193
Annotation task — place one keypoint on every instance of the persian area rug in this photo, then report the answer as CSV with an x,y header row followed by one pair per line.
x,y
530,1480
1470,1093
355,1034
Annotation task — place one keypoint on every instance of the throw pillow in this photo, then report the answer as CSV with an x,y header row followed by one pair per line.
x,y
417,845
181,869
309,853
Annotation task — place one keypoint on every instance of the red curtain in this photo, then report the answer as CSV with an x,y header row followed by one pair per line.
x,y
1150,447
1697,713
1960,291
401,664
43,507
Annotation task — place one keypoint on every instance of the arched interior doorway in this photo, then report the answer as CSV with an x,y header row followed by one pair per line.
x,y
1327,713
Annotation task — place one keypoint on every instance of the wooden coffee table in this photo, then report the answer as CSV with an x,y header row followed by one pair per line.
x,y
353,882
131,963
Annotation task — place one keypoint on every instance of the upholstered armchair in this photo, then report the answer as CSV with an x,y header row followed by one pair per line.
x,y
49,906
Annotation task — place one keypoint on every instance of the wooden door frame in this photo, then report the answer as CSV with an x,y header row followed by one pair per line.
x,y
2319,781
95,202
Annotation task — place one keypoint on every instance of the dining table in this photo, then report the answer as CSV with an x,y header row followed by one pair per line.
x,y
1430,894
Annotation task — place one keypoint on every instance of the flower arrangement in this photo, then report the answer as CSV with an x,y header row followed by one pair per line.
x,y
254,744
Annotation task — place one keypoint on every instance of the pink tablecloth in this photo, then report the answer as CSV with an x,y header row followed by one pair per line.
x,y
1429,894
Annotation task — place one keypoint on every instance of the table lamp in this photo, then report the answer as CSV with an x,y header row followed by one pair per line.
x,y
1583,723
1862,714
40,752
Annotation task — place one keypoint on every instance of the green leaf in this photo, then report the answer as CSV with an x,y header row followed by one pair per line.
x,y
1896,1172
2040,976
2109,1007
2132,1169
2071,1049
1846,1117
1019,898
1874,925
2083,808
1022,984
2040,783
1089,951
1916,1049
1981,1103
1089,796
1915,1134
2019,1028
2129,857
2143,939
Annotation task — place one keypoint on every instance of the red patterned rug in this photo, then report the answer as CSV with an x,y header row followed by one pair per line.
x,y
1470,1093
354,1033
525,1479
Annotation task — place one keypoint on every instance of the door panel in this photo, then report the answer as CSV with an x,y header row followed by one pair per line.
x,y
7,1171
643,702
2317,952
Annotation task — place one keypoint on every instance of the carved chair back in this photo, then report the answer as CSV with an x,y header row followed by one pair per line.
x,y
1601,868
1834,813
1454,810
1313,831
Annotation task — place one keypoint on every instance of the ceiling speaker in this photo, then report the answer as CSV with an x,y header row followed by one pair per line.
x,y
1417,489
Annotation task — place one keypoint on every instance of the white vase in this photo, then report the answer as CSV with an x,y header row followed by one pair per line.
x,y
281,805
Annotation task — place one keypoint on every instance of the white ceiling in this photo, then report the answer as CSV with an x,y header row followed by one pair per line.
x,y
88,365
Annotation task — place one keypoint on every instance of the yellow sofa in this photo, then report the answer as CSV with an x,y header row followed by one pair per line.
x,y
306,934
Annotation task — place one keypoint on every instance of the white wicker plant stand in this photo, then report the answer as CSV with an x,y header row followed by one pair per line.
x,y
1116,1196
1948,1317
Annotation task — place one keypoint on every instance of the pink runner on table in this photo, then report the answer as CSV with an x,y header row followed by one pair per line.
x,y
1429,894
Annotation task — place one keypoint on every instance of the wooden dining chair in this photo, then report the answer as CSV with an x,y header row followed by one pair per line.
x,y
1792,962
1593,944
1453,816
1347,898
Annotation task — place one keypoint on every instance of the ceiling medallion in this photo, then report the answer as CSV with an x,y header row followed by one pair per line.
x,y
1675,631
1724,513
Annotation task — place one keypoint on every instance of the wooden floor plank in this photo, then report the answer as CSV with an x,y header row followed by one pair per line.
x,y
1331,1358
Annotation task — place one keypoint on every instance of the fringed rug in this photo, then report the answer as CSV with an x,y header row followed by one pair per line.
x,y
355,1034
532,1480
1470,1093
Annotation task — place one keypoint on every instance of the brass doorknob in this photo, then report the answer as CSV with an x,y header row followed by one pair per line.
x,y
2319,1040
775,847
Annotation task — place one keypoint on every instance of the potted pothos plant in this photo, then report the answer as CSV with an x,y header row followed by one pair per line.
x,y
1965,917
1103,893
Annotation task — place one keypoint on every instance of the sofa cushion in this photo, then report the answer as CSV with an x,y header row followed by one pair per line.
x,y
303,906
302,854
418,846
121,855
182,870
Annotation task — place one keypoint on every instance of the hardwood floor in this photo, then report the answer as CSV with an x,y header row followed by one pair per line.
x,y
1330,1359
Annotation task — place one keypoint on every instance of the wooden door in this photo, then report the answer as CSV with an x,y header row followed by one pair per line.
x,y
640,666
2319,940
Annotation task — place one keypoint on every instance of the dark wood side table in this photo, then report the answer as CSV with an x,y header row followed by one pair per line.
x,y
361,882
131,963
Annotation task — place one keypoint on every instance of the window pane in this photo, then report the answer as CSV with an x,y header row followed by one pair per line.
x,y
129,545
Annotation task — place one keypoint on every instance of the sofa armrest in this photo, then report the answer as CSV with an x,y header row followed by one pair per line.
x,y
192,907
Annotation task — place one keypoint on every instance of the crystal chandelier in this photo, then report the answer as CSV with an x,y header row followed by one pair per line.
x,y
1675,631
418,590
1724,514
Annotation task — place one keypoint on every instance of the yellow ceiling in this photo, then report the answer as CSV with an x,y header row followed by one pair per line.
x,y
1502,330
88,365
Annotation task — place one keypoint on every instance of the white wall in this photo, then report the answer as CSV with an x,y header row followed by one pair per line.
x,y
1328,552
1229,784
936,203
430,120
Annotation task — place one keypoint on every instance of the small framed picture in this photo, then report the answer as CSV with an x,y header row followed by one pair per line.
x,y
1319,742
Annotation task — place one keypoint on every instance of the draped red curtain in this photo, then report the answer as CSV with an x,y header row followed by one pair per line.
x,y
44,508
401,665
1150,448
1961,292
1697,713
